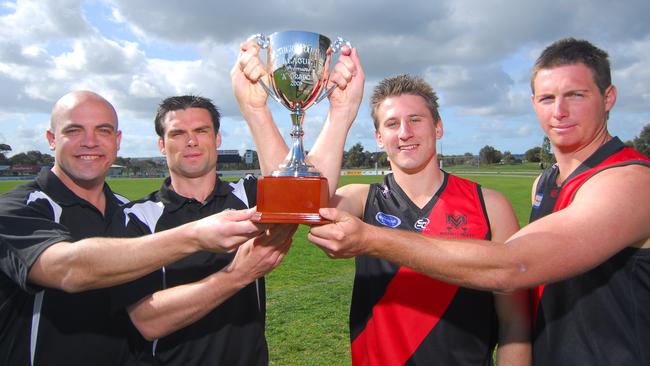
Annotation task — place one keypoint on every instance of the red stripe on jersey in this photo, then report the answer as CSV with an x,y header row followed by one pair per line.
x,y
411,298
415,299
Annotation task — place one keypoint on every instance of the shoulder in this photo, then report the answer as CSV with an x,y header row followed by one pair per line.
x,y
629,182
494,198
143,212
29,200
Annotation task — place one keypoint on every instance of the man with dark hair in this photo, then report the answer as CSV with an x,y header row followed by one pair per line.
x,y
54,261
207,308
588,243
399,316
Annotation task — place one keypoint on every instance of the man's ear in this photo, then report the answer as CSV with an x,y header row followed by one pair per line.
x,y
440,131
49,135
379,139
161,145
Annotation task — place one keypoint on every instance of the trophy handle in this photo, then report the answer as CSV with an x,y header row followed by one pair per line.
x,y
336,47
263,41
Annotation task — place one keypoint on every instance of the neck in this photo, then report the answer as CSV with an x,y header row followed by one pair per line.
x,y
198,188
91,191
569,160
420,186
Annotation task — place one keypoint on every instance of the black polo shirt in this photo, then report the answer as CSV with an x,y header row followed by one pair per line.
x,y
46,326
231,334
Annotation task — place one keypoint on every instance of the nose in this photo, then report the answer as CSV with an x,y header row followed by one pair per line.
x,y
90,139
405,130
560,109
192,139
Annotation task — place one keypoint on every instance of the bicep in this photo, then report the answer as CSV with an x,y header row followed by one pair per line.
x,y
503,222
604,218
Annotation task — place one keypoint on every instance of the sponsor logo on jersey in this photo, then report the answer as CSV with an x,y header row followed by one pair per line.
x,y
538,200
421,224
387,220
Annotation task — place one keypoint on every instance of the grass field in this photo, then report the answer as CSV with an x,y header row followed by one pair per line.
x,y
309,294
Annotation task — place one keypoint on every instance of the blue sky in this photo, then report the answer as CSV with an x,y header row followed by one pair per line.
x,y
477,55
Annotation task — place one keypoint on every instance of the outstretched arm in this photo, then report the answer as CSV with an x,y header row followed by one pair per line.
x,y
101,262
174,308
555,247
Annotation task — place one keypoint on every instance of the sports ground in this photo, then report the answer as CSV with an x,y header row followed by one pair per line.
x,y
309,294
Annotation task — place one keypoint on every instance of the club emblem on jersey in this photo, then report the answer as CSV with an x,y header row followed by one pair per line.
x,y
385,191
421,224
388,220
538,200
456,221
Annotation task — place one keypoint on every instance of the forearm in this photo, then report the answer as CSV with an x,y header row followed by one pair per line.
x,y
475,264
514,314
169,310
102,262
327,153
271,148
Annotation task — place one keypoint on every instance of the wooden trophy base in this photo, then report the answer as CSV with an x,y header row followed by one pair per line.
x,y
293,200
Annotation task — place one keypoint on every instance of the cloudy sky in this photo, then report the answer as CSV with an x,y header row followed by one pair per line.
x,y
476,54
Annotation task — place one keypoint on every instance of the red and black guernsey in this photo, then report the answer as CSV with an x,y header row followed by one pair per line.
x,y
402,317
601,317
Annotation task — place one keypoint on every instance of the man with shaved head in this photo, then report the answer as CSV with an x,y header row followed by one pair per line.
x,y
54,261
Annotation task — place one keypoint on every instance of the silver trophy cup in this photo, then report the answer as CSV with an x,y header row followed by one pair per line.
x,y
298,66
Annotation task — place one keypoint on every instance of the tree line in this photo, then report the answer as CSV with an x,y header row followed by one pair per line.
x,y
354,158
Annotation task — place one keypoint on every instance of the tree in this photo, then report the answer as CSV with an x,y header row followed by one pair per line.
x,y
642,142
3,158
546,157
489,155
32,157
508,158
355,157
532,155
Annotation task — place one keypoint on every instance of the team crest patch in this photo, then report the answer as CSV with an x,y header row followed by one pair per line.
x,y
388,220
385,191
538,200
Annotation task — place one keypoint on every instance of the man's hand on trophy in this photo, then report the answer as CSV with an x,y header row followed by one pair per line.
x,y
349,77
245,75
345,237
260,255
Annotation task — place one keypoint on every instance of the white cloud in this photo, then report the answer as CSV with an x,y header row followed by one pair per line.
x,y
477,55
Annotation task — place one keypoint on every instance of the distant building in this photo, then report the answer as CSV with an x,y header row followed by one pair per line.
x,y
228,156
249,156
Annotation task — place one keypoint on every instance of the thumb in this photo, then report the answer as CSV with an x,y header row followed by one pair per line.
x,y
331,214
240,215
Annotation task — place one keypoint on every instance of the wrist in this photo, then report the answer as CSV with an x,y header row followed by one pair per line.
x,y
255,112
343,114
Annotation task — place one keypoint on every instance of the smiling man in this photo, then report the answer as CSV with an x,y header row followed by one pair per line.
x,y
399,316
